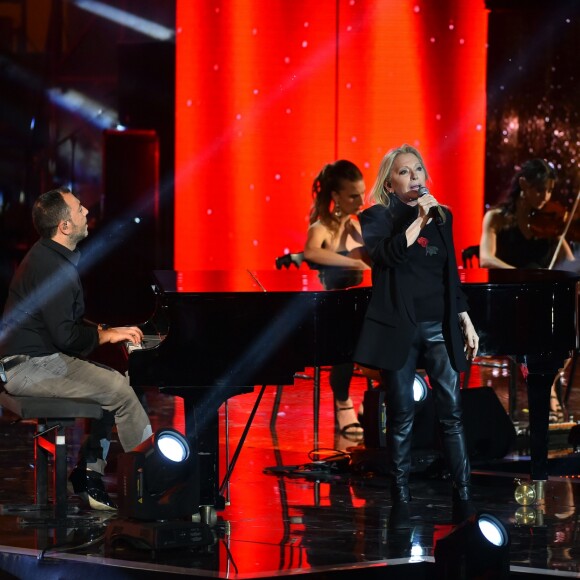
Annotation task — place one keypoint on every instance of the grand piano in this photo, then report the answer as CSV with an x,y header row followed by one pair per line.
x,y
217,334
531,315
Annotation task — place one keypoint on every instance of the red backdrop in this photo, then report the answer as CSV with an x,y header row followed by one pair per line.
x,y
270,90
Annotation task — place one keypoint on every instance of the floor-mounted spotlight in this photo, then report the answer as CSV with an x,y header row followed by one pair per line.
x,y
158,493
420,388
375,414
158,479
478,548
425,436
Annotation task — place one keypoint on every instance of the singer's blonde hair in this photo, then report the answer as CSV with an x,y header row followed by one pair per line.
x,y
379,193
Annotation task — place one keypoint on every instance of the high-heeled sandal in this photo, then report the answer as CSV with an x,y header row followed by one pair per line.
x,y
352,428
557,414
345,442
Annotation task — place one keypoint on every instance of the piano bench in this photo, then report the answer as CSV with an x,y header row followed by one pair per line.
x,y
52,416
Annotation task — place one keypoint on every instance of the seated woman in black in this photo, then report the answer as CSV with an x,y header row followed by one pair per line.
x,y
508,241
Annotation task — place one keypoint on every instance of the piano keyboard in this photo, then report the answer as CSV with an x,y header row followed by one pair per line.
x,y
149,341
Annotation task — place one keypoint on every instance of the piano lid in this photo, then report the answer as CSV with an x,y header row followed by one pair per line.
x,y
237,281
517,312
235,328
295,280
515,276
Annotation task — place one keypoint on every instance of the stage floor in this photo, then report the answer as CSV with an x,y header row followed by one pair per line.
x,y
290,515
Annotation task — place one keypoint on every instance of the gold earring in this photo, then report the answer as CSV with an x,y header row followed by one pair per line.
x,y
337,210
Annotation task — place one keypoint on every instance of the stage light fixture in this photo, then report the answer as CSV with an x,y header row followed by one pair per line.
x,y
173,448
158,480
82,105
420,388
375,415
158,494
126,19
476,549
492,530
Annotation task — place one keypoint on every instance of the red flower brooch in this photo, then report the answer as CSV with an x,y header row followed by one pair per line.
x,y
429,250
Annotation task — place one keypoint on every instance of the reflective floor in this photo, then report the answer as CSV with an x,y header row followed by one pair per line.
x,y
289,514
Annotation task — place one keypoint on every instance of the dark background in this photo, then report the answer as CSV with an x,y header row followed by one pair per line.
x,y
44,146
533,83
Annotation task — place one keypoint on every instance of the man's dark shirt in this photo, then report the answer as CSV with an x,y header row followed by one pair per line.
x,y
45,306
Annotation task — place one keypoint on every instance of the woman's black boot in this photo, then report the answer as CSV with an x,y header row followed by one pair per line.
x,y
400,415
454,446
400,517
462,504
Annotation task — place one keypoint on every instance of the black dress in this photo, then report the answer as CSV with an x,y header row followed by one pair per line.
x,y
518,251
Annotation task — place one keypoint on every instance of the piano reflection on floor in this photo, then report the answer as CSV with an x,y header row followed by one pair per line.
x,y
216,334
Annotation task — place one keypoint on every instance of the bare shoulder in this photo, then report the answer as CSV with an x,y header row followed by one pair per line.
x,y
494,219
317,228
317,233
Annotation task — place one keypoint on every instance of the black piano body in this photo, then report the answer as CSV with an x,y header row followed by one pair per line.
x,y
223,332
531,315
226,331
523,312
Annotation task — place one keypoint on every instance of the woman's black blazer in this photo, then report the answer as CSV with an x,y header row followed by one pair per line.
x,y
389,322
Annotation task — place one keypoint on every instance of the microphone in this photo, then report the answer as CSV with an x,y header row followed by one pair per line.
x,y
437,212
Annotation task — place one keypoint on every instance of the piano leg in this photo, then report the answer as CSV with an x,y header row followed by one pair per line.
x,y
201,407
202,431
539,386
541,373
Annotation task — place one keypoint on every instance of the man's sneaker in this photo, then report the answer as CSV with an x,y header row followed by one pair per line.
x,y
89,486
